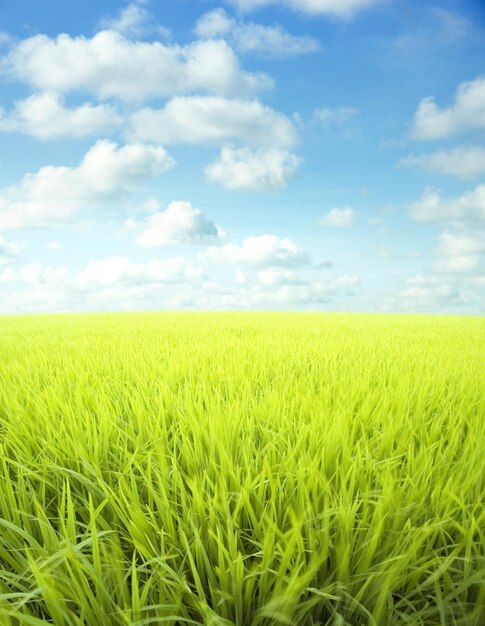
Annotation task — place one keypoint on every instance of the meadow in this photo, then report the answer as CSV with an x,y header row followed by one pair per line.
x,y
242,469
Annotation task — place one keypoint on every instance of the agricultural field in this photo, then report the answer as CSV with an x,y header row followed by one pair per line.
x,y
242,469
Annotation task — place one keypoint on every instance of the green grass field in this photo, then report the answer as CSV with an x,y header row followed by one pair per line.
x,y
219,469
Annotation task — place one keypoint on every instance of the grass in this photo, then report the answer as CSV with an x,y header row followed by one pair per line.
x,y
247,469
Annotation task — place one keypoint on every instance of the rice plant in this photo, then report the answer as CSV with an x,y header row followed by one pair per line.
x,y
244,469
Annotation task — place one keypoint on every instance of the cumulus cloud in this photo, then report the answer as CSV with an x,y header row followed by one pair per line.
x,y
35,274
107,172
111,65
114,283
133,20
457,273
278,292
297,293
467,208
248,37
7,250
118,283
261,251
460,252
253,169
338,116
180,223
465,162
278,277
343,9
338,217
465,114
211,120
429,293
44,115
122,271
54,245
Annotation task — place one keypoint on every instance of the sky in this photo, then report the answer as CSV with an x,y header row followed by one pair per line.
x,y
323,155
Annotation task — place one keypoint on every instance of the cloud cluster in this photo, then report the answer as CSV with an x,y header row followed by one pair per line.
x,y
45,116
458,269
109,65
211,120
469,208
121,271
465,162
339,218
179,223
343,9
262,251
428,293
7,250
133,20
248,37
107,172
465,114
35,274
208,98
253,169
460,252
119,283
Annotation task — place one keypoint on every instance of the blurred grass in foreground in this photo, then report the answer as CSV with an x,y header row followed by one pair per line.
x,y
247,469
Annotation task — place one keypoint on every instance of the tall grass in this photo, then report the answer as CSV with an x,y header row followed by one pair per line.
x,y
247,469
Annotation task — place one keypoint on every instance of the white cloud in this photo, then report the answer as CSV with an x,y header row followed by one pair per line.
x,y
215,23
7,276
467,208
35,274
344,9
464,161
115,283
43,115
460,252
300,293
110,65
442,293
467,113
5,38
52,194
338,217
118,283
179,223
122,271
131,20
456,277
202,120
254,38
278,277
7,249
280,294
240,277
261,251
338,116
54,245
257,170
429,293
478,281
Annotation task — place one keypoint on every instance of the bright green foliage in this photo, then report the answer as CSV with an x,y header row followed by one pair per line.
x,y
247,469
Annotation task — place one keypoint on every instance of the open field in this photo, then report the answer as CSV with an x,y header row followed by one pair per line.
x,y
241,469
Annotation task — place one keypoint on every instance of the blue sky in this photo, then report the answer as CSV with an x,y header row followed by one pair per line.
x,y
242,154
